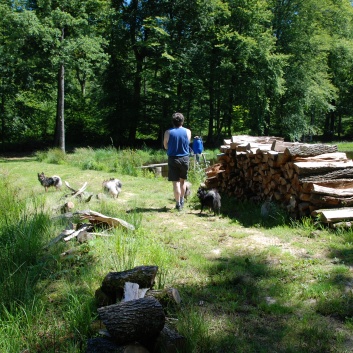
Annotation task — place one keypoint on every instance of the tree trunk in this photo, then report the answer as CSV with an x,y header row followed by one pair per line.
x,y
139,320
60,122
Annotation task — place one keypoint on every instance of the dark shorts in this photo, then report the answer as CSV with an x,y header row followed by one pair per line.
x,y
178,168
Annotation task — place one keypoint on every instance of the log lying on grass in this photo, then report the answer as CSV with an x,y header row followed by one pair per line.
x,y
139,320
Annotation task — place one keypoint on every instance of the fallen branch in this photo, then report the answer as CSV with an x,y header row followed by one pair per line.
x,y
95,217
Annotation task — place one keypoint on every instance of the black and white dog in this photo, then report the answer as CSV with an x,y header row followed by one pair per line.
x,y
113,187
47,182
209,198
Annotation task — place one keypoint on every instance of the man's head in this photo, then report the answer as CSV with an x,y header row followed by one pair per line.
x,y
177,119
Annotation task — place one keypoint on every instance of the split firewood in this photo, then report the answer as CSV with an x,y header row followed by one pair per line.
x,y
336,192
133,291
306,168
139,320
335,157
322,200
334,215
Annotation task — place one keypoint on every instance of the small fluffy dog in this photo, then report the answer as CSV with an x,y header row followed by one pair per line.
x,y
113,187
209,198
47,182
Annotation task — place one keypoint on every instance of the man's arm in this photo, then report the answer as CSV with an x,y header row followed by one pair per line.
x,y
166,139
188,132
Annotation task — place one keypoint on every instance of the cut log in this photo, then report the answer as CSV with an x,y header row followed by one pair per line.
x,y
167,297
345,225
337,174
308,150
139,320
337,156
170,341
307,168
67,207
280,146
114,282
336,192
332,201
334,215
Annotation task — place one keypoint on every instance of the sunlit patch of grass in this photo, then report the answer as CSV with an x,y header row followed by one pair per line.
x,y
52,156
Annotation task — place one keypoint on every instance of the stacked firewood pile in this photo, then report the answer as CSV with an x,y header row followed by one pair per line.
x,y
134,316
306,179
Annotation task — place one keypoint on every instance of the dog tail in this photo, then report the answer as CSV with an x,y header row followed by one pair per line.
x,y
216,203
57,181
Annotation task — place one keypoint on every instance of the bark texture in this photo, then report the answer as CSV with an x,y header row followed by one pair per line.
x,y
138,320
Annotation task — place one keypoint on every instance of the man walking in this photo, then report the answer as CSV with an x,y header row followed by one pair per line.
x,y
177,143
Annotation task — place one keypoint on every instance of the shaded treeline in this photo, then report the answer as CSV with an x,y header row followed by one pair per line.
x,y
98,72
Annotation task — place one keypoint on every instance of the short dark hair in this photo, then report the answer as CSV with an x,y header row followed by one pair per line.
x,y
177,119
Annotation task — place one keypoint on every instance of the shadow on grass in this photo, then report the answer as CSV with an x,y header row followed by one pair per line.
x,y
248,213
243,302
149,209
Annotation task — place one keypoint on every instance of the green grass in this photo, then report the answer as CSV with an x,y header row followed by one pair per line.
x,y
247,284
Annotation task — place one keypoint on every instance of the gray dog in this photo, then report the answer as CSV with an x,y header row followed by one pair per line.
x,y
113,187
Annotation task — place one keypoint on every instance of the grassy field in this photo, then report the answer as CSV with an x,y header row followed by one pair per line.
x,y
247,284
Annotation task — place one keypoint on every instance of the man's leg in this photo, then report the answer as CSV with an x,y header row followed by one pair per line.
x,y
177,192
182,188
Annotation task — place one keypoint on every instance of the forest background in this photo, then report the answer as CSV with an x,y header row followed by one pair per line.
x,y
101,72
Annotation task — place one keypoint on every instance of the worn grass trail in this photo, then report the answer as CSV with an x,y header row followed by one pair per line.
x,y
247,284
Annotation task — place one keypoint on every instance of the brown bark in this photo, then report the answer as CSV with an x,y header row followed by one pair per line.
x,y
307,150
310,168
114,282
138,320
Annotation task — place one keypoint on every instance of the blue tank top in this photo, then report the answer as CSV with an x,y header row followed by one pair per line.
x,y
178,143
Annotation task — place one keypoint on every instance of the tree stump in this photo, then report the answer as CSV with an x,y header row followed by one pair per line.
x,y
138,320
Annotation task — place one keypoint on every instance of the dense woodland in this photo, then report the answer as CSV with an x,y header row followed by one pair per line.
x,y
99,72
